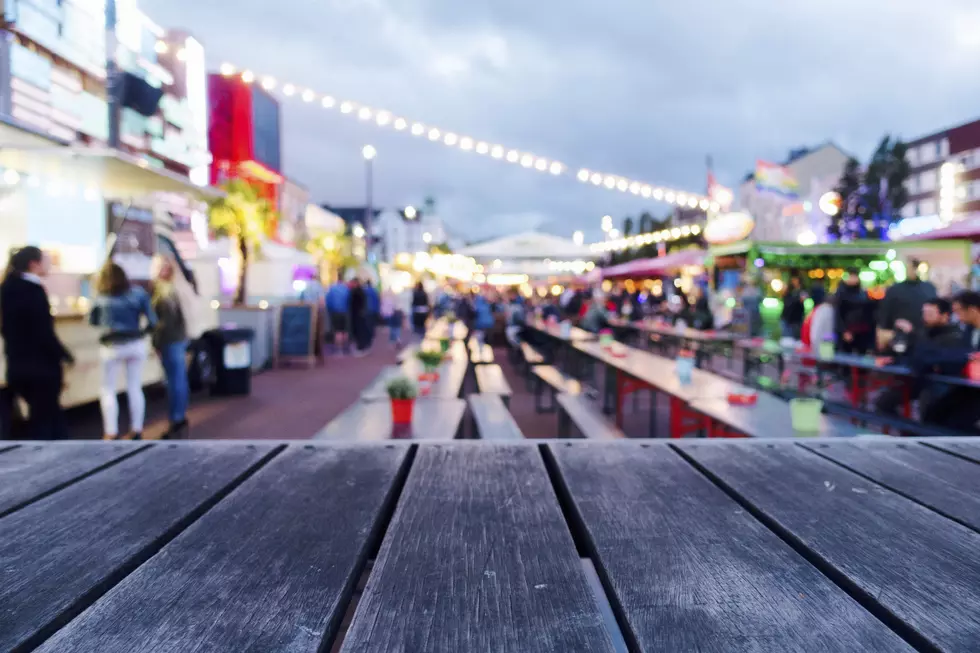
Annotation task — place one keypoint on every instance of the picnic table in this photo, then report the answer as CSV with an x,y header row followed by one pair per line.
x,y
737,546
769,417
457,350
554,331
433,418
861,369
637,369
441,328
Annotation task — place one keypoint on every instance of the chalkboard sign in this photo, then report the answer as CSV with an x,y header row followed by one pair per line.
x,y
297,331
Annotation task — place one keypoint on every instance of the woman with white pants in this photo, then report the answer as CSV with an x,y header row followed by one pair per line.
x,y
119,309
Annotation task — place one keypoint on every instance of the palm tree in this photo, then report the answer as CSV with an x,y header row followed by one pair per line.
x,y
245,217
333,253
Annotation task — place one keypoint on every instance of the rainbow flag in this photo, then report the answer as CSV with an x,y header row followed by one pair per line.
x,y
774,178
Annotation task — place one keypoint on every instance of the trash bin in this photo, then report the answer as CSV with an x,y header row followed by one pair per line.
x,y
231,353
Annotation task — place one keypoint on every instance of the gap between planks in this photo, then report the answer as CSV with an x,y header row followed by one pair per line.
x,y
864,599
100,590
614,617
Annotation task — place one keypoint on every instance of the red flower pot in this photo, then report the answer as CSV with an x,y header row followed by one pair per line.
x,y
401,411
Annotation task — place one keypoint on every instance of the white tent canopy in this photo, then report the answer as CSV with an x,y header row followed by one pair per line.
x,y
529,245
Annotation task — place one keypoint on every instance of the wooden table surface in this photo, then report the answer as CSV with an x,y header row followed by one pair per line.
x,y
864,545
661,373
575,334
433,418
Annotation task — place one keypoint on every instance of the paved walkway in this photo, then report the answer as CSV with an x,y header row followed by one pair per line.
x,y
290,403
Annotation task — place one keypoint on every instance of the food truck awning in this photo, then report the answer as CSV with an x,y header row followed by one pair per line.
x,y
651,267
112,173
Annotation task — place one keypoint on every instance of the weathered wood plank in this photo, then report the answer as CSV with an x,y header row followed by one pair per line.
x,y
492,419
969,449
36,469
693,572
477,558
947,484
61,553
270,568
916,569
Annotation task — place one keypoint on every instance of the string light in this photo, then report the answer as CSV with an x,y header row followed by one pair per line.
x,y
617,244
383,118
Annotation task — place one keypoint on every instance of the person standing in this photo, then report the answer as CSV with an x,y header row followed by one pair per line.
x,y
34,353
793,310
119,310
854,322
372,311
420,310
338,311
170,342
904,301
392,313
358,316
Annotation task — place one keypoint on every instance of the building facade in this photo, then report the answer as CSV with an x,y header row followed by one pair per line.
x,y
944,182
795,217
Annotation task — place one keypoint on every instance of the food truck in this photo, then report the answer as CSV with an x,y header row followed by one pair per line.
x,y
82,205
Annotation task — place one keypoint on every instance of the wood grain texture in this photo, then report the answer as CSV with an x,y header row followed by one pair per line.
x,y
694,572
969,449
945,483
62,552
493,420
270,568
432,419
914,566
478,558
36,469
770,417
554,378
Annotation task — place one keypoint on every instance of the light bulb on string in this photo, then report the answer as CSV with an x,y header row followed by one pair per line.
x,y
583,175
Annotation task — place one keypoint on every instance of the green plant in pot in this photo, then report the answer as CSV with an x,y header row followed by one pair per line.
x,y
402,391
430,359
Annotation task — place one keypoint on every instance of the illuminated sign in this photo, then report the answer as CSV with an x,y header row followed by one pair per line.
x,y
728,228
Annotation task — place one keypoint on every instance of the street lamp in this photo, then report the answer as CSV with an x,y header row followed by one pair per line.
x,y
607,223
410,212
427,238
578,237
369,153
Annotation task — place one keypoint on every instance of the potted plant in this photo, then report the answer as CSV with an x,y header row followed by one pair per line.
x,y
430,360
402,392
444,344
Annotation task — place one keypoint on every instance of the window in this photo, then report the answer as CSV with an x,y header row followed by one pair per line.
x,y
944,148
927,207
910,185
927,181
912,156
927,153
908,211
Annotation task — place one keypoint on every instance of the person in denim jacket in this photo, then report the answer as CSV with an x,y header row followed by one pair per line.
x,y
119,310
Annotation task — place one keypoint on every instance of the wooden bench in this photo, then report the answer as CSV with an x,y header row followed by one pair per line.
x,y
490,381
481,354
551,376
492,419
575,410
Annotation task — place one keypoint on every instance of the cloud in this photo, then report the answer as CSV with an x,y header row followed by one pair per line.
x,y
642,89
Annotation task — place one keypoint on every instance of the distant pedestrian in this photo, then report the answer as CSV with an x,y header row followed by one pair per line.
x,y
119,310
358,315
372,311
394,316
791,318
420,310
338,311
170,342
904,301
34,353
853,319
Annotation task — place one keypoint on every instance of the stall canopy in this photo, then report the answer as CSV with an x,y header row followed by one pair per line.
x,y
966,229
529,245
117,175
653,267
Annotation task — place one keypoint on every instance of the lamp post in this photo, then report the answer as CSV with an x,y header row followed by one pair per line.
x,y
369,153
112,74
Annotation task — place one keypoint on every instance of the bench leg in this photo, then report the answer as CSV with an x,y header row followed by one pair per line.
x,y
563,424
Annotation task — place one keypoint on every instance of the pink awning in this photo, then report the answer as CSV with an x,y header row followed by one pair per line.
x,y
652,267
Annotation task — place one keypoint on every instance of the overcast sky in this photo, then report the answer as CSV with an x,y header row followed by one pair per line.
x,y
632,87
